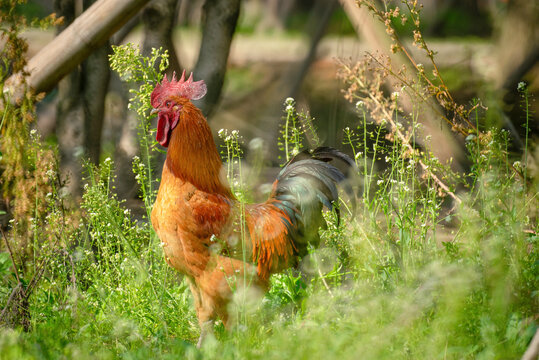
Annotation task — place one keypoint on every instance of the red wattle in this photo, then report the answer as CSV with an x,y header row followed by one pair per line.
x,y
163,131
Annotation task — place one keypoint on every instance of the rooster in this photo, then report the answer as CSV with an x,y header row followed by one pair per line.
x,y
210,237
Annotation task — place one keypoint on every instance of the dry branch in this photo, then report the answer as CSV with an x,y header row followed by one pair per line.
x,y
374,33
532,353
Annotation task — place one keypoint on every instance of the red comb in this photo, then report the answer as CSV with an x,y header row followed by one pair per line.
x,y
189,89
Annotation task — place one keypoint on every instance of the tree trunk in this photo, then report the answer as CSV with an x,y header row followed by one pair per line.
x,y
70,130
95,75
219,25
120,35
515,59
518,21
274,14
159,18
189,12
69,118
317,26
81,107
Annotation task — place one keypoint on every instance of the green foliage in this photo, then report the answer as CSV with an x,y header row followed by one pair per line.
x,y
135,68
232,152
143,74
24,160
402,275
286,288
129,283
5,263
296,127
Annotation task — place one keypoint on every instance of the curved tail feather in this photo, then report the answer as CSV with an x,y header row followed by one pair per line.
x,y
306,184
284,226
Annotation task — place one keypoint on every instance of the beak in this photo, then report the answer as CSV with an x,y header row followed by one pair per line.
x,y
154,111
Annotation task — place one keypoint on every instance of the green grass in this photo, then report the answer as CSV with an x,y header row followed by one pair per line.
x,y
472,298
384,285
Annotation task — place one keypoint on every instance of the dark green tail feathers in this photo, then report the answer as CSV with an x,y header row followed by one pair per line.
x,y
306,184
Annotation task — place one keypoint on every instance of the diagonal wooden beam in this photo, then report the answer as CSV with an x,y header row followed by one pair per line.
x,y
88,32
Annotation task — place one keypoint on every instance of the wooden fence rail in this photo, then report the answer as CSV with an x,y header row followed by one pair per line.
x,y
89,31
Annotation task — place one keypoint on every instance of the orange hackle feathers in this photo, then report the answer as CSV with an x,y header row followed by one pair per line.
x,y
192,154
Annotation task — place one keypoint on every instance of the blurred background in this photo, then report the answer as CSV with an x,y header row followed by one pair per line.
x,y
253,54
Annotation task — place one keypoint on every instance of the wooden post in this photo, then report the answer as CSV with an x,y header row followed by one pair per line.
x,y
218,28
89,31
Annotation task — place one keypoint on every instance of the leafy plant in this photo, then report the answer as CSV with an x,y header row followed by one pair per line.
x,y
296,129
144,73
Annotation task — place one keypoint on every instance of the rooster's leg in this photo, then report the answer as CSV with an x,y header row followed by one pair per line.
x,y
213,289
205,313
205,329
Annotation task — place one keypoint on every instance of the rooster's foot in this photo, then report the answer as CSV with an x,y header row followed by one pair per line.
x,y
205,330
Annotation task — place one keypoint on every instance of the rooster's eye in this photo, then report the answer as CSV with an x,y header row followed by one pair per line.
x,y
167,104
